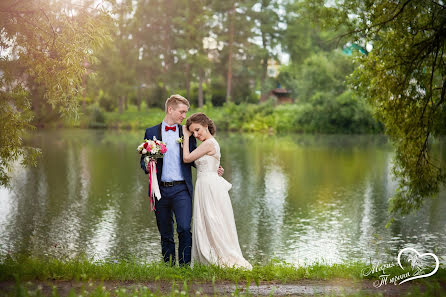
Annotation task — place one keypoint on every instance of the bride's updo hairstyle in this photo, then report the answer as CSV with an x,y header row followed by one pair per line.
x,y
202,119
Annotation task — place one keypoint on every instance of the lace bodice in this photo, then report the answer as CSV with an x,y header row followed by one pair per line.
x,y
207,163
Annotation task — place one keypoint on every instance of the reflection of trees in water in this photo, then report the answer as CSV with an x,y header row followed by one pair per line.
x,y
17,212
244,176
120,200
6,213
84,174
268,208
78,183
372,241
258,195
338,188
104,235
307,177
390,184
341,141
365,226
425,230
293,197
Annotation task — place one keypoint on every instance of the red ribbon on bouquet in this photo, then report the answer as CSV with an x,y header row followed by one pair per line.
x,y
154,190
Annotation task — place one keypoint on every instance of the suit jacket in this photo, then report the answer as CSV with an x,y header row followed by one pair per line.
x,y
186,168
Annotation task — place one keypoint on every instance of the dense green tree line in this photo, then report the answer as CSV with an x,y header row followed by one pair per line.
x,y
213,52
204,50
210,51
192,48
345,114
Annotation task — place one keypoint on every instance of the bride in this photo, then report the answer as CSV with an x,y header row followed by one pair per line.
x,y
214,235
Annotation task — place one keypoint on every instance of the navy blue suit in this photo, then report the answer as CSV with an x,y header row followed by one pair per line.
x,y
176,200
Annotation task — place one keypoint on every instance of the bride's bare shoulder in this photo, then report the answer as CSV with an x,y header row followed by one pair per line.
x,y
210,143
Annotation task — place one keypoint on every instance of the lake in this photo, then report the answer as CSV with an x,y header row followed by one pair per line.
x,y
296,198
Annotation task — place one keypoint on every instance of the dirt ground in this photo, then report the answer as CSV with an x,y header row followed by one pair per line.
x,y
297,288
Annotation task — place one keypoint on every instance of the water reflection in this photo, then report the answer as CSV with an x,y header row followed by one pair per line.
x,y
296,198
103,240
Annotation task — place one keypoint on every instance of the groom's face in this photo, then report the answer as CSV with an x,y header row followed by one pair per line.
x,y
178,113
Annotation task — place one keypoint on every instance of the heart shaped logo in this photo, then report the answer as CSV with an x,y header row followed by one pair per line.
x,y
437,263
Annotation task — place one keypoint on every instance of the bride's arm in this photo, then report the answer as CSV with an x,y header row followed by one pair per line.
x,y
201,150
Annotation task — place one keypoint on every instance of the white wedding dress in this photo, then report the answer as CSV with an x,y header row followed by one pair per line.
x,y
214,235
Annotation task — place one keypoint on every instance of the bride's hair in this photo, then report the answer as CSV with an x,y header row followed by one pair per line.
x,y
202,119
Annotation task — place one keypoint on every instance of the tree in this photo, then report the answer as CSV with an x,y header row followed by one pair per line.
x,y
47,43
117,66
194,20
320,72
154,31
231,17
267,20
404,78
304,36
233,27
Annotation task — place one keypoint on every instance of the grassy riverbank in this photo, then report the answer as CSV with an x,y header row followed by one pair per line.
x,y
130,277
29,268
266,117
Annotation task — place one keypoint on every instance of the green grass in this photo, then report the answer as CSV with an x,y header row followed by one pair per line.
x,y
28,272
31,268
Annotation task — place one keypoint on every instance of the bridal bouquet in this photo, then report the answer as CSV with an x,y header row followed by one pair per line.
x,y
152,150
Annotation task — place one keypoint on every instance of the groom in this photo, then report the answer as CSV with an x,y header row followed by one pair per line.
x,y
175,182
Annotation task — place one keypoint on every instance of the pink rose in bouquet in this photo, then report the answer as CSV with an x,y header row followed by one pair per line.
x,y
153,149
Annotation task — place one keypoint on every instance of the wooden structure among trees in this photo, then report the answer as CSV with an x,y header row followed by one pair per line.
x,y
282,95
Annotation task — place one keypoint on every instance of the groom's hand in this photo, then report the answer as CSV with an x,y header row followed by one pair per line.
x,y
220,170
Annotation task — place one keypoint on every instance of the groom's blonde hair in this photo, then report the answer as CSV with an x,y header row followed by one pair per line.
x,y
174,100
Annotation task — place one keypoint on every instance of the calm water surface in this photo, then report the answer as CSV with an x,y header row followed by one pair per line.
x,y
296,198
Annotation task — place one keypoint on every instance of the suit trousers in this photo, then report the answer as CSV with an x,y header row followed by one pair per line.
x,y
177,201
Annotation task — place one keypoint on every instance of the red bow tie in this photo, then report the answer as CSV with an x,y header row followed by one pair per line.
x,y
174,128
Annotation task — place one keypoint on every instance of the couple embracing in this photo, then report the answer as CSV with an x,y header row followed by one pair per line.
x,y
213,239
